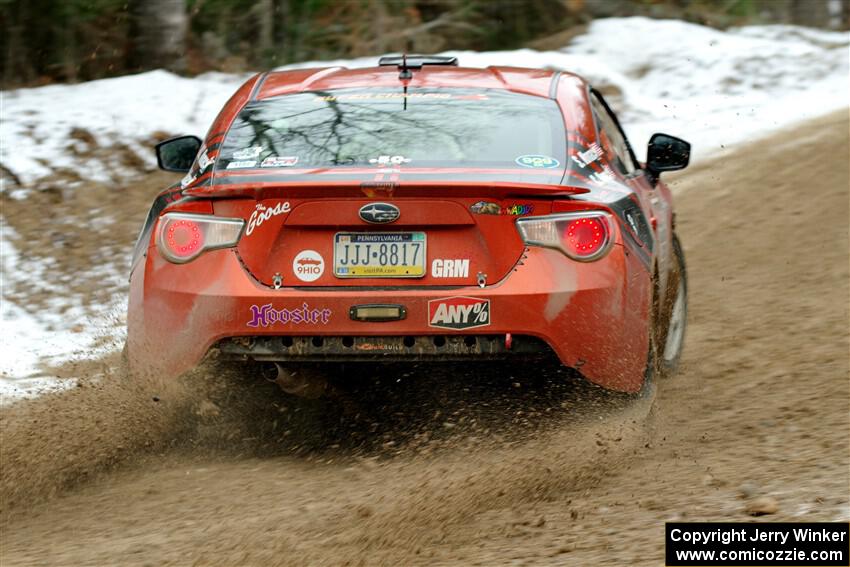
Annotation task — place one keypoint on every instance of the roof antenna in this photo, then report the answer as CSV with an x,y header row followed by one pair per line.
x,y
404,70
404,75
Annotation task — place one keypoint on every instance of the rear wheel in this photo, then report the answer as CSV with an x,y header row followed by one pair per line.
x,y
674,314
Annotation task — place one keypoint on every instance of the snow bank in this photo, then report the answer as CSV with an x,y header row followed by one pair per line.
x,y
36,134
27,341
714,88
718,88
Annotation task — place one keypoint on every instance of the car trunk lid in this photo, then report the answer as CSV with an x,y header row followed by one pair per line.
x,y
445,235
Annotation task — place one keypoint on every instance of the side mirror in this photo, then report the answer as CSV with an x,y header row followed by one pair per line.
x,y
667,153
177,154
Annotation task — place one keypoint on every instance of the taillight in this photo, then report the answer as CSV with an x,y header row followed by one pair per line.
x,y
183,236
585,236
582,236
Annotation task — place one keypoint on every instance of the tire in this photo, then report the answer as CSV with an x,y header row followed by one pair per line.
x,y
674,315
648,388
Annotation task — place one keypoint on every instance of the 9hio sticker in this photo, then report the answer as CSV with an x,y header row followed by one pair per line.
x,y
308,265
457,313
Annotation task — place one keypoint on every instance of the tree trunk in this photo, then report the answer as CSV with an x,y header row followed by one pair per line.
x,y
264,14
844,15
16,68
811,13
281,33
67,31
157,34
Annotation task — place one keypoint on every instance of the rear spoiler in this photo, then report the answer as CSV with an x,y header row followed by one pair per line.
x,y
382,189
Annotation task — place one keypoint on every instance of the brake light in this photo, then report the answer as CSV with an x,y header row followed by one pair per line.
x,y
583,236
182,237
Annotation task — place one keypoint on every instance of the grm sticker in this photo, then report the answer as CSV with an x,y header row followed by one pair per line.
x,y
447,268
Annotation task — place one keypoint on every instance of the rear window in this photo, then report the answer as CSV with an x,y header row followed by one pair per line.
x,y
420,128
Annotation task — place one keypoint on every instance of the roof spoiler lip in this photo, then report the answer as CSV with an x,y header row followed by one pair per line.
x,y
500,189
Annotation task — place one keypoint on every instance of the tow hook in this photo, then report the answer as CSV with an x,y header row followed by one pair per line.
x,y
482,280
277,280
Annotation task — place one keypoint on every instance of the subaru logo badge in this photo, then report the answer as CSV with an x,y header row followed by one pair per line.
x,y
379,213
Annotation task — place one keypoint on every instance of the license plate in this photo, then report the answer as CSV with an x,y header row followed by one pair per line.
x,y
379,254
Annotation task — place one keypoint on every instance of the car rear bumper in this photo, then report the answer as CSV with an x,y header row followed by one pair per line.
x,y
594,316
434,348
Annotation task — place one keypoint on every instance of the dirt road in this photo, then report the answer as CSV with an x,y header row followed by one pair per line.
x,y
477,465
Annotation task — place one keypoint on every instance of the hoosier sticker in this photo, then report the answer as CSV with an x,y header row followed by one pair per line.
x,y
267,316
458,313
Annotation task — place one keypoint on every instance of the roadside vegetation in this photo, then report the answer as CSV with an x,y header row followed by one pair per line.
x,y
77,40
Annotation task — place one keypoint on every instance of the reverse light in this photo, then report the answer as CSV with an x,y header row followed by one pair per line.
x,y
377,312
583,236
184,236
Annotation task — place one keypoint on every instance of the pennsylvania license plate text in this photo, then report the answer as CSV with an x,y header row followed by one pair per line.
x,y
379,255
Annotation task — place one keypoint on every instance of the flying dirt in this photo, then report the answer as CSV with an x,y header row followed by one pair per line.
x,y
483,464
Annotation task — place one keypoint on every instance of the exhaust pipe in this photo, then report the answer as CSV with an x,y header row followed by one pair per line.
x,y
304,382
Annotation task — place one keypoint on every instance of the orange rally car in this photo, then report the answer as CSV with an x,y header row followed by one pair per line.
x,y
415,210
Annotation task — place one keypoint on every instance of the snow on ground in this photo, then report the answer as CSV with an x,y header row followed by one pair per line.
x,y
33,340
711,87
714,88
38,123
26,339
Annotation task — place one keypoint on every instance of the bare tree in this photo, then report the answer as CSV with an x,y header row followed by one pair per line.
x,y
812,13
263,12
157,34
